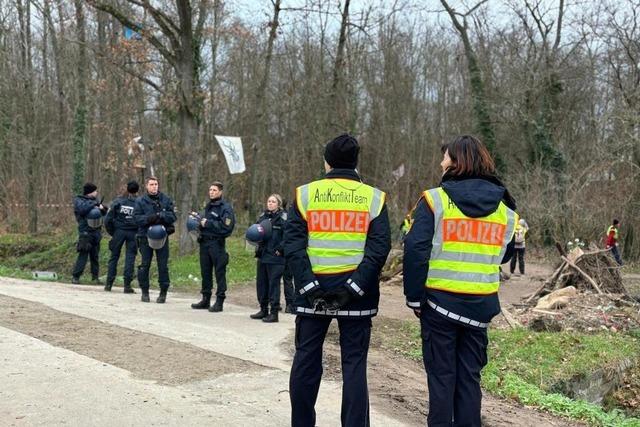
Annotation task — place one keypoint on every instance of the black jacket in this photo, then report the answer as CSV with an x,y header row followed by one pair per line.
x,y
120,215
266,251
475,197
150,210
82,205
220,220
367,274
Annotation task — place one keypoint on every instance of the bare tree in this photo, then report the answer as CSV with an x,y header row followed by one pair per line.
x,y
80,117
338,114
260,123
481,110
179,42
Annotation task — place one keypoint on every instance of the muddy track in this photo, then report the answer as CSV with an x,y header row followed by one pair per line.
x,y
146,356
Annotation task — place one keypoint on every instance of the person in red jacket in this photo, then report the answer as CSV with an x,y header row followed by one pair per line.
x,y
612,240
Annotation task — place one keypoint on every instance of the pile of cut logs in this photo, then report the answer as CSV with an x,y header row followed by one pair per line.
x,y
593,271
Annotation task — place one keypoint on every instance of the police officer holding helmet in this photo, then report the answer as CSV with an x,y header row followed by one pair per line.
x,y
154,214
270,265
216,224
89,212
121,225
337,238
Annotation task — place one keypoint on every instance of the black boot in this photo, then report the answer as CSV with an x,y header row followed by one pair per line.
x,y
75,280
264,312
128,289
272,317
217,306
145,296
108,286
162,298
204,303
290,309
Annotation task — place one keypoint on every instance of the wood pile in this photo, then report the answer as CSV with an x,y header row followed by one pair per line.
x,y
594,271
584,293
392,271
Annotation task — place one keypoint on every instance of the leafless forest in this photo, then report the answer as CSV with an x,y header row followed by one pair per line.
x,y
553,88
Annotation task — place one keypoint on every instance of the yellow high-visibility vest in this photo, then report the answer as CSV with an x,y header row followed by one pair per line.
x,y
615,230
406,223
338,213
467,252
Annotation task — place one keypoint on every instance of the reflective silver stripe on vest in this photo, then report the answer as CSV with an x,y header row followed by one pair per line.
x,y
467,257
457,317
304,195
375,207
335,260
464,277
438,212
351,313
336,244
509,230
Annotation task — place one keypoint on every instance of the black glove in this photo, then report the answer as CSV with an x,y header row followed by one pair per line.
x,y
339,297
259,251
314,295
153,219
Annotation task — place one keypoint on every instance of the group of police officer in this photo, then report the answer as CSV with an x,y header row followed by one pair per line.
x,y
143,224
335,239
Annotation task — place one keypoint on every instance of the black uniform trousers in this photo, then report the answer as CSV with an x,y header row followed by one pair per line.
x,y
268,284
121,237
519,254
287,284
92,254
306,371
453,356
162,259
213,256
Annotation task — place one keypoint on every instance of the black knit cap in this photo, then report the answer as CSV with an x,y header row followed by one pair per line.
x,y
132,187
89,188
342,152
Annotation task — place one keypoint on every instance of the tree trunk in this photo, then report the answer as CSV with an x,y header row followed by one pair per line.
x,y
337,115
80,118
259,124
481,111
28,115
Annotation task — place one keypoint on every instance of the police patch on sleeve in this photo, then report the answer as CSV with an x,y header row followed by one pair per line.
x,y
227,221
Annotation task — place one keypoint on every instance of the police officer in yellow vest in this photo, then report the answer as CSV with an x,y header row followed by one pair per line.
x,y
461,232
406,225
337,239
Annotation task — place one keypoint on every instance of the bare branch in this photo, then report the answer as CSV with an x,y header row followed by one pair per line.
x,y
556,44
473,9
168,27
124,20
203,12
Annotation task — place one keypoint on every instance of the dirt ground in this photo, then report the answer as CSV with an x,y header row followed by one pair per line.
x,y
397,385
146,356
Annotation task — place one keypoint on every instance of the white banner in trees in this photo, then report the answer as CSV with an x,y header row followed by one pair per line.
x,y
231,146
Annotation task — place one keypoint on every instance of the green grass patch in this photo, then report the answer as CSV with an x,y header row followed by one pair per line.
x,y
21,254
185,270
531,367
